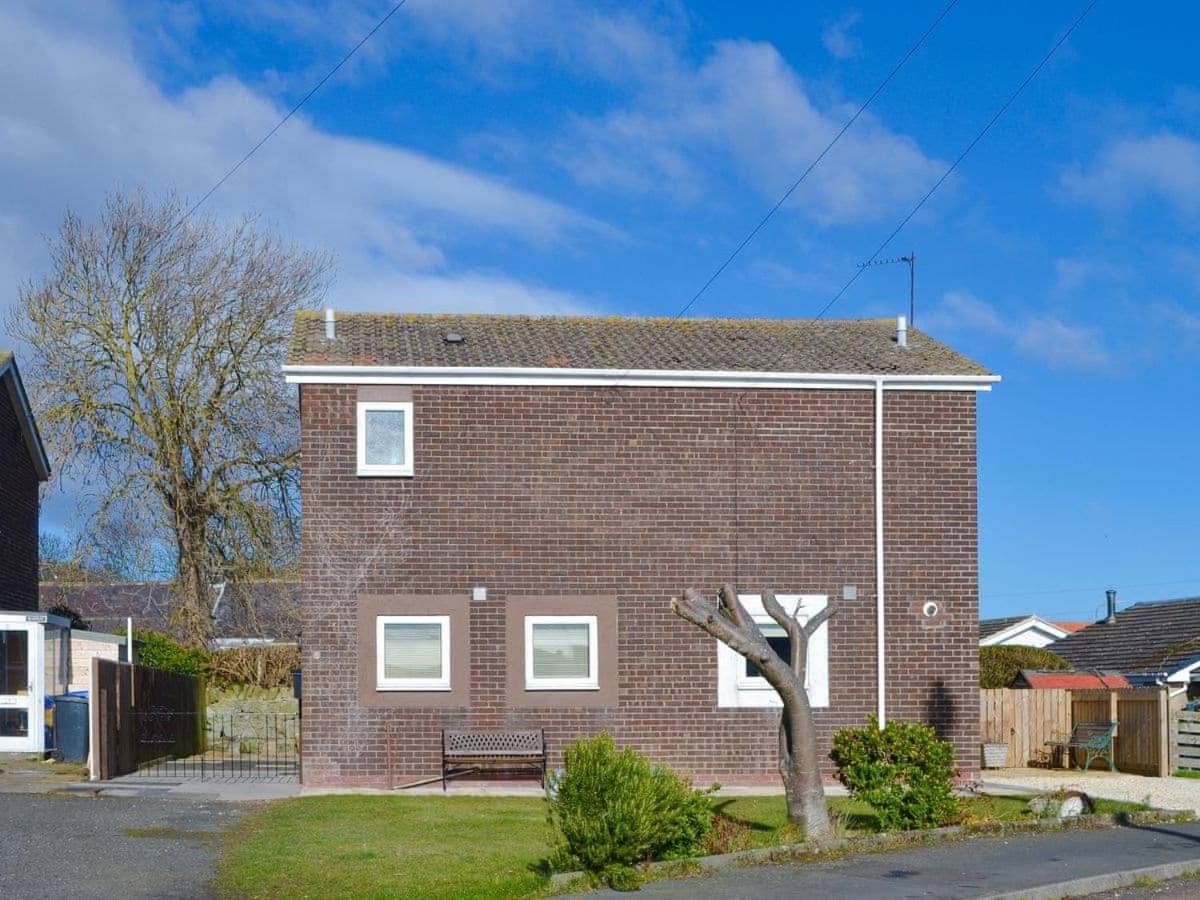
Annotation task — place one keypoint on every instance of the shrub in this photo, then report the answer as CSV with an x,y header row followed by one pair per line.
x,y
161,651
904,771
263,666
614,809
999,666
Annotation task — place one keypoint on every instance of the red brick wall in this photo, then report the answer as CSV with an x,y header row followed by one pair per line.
x,y
636,494
18,513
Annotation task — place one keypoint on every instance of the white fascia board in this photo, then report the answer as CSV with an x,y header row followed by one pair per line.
x,y
1031,622
1184,674
503,376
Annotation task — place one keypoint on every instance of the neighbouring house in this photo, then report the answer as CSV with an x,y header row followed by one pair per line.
x,y
1024,631
1150,643
497,511
28,650
24,466
243,614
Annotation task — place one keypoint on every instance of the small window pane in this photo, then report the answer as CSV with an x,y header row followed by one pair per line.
x,y
781,644
412,650
385,437
560,650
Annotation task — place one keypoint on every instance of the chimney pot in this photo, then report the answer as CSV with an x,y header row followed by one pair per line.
x,y
1111,596
330,325
901,331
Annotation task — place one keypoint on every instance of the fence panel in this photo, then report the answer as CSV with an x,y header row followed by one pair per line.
x,y
1024,720
123,696
1142,743
1187,741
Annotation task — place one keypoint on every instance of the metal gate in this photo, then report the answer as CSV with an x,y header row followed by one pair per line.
x,y
259,746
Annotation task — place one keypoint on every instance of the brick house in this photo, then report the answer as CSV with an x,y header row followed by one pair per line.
x,y
23,465
498,510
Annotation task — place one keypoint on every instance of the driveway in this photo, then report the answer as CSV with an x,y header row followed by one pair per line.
x,y
1161,793
982,867
77,847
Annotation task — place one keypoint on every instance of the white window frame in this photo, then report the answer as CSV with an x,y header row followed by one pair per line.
x,y
378,471
411,684
591,683
735,690
769,628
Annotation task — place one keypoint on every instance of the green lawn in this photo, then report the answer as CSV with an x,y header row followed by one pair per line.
x,y
373,846
464,847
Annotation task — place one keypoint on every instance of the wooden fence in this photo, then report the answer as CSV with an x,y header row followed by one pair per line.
x,y
123,698
1185,741
1026,719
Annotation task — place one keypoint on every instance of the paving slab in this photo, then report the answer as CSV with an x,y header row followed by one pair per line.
x,y
979,867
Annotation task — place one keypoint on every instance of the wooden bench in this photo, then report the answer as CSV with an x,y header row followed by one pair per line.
x,y
1095,739
469,751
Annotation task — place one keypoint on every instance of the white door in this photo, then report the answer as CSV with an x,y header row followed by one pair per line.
x,y
20,687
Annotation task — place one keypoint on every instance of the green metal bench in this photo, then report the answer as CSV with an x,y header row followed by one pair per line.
x,y
1094,739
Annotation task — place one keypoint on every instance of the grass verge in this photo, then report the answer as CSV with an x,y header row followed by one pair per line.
x,y
468,847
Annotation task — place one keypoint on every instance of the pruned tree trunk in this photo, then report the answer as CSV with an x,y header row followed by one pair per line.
x,y
799,764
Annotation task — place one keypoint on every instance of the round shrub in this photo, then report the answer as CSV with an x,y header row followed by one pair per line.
x,y
1000,666
613,809
161,651
904,771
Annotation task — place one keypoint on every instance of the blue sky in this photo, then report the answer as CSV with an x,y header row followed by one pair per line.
x,y
537,156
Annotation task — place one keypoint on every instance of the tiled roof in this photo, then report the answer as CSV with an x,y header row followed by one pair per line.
x,y
841,346
1147,637
257,609
1070,681
988,627
1072,627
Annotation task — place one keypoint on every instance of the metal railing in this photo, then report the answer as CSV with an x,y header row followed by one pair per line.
x,y
259,746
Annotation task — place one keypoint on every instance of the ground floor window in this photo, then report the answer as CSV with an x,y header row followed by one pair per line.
x,y
739,681
412,653
561,653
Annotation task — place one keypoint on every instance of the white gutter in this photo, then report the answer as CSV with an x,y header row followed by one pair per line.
x,y
513,376
880,661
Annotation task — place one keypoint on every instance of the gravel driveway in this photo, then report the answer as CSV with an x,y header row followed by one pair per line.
x,y
1162,793
76,847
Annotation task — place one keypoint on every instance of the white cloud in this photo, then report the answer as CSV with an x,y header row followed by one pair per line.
x,y
1073,273
1163,166
745,106
81,116
838,40
1040,336
599,38
480,292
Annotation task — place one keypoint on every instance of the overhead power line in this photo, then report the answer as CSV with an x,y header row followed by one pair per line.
x,y
770,214
966,151
291,112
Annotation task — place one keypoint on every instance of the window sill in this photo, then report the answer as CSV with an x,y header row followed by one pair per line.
x,y
396,472
413,688
542,686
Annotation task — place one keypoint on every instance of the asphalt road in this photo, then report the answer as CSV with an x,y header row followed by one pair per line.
x,y
83,847
972,868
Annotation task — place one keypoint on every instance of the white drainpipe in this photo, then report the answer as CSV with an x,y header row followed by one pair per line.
x,y
881,675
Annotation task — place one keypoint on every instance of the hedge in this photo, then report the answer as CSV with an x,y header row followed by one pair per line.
x,y
1000,666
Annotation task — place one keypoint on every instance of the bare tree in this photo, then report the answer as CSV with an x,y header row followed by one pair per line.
x,y
155,350
726,619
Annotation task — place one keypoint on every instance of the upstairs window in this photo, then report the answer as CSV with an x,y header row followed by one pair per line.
x,y
561,653
385,438
412,653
